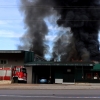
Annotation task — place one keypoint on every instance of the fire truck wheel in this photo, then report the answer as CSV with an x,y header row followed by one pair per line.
x,y
15,80
25,82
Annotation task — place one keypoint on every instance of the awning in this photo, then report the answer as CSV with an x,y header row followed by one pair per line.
x,y
58,64
96,67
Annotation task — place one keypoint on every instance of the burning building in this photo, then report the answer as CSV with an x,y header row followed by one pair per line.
x,y
82,16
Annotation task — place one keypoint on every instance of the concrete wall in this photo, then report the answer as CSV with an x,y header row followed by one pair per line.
x,y
58,80
29,75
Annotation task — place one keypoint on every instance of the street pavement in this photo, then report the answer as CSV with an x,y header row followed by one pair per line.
x,y
83,91
49,94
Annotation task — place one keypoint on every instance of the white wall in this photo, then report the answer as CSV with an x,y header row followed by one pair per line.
x,y
29,75
58,80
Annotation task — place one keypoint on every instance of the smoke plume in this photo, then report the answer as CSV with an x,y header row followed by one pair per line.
x,y
83,16
36,29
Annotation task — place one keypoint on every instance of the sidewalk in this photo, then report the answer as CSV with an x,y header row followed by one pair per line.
x,y
49,86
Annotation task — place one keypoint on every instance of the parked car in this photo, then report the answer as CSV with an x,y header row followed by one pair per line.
x,y
43,80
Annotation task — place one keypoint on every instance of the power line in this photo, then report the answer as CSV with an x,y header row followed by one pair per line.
x,y
60,20
46,5
43,6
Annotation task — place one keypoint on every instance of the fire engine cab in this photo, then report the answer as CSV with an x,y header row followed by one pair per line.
x,y
19,74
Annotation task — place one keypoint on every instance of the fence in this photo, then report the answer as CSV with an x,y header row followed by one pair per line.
x,y
5,73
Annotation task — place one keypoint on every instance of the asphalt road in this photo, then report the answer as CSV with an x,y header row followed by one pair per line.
x,y
49,94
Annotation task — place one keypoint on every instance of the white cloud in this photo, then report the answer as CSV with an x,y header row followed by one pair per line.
x,y
8,2
8,44
56,28
2,22
11,25
50,37
11,34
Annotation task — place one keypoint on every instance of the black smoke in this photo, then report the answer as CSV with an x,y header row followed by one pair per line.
x,y
83,16
36,29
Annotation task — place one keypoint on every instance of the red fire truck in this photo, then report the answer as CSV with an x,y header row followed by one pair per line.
x,y
19,74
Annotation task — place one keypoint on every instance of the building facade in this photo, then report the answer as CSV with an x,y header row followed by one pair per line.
x,y
70,72
54,72
10,58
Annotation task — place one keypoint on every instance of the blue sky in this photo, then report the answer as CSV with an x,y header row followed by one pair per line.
x,y
12,25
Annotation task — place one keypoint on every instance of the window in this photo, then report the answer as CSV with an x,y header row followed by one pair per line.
x,y
23,70
88,76
3,61
17,69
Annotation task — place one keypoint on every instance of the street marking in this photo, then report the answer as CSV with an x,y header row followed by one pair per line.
x,y
57,97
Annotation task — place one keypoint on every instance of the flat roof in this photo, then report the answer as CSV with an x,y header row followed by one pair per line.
x,y
11,51
59,64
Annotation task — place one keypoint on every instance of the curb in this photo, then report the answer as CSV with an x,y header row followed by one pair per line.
x,y
46,87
